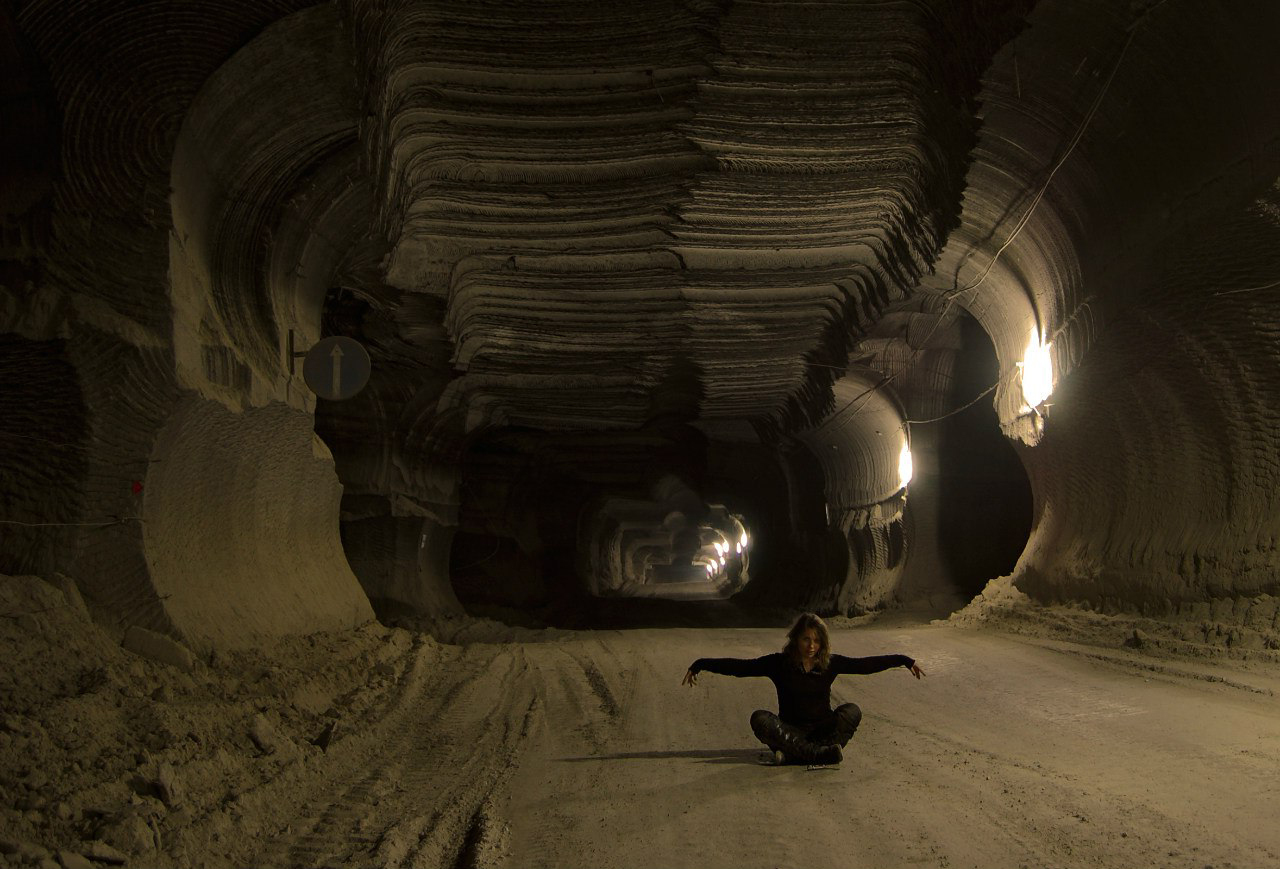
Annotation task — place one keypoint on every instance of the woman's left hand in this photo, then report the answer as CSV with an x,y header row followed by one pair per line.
x,y
916,671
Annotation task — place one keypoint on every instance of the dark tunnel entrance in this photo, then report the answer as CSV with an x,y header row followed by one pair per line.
x,y
566,529
984,496
584,529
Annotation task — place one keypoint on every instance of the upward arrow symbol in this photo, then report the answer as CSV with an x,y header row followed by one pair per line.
x,y
337,371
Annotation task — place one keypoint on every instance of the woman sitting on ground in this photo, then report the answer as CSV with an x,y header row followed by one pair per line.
x,y
806,728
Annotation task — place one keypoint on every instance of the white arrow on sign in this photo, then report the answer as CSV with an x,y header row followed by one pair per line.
x,y
337,370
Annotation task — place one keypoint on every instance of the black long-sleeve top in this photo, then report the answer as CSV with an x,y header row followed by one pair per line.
x,y
804,699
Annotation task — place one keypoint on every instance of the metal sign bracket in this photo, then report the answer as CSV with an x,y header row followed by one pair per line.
x,y
293,354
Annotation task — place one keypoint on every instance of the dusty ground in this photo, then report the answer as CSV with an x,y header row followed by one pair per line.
x,y
582,749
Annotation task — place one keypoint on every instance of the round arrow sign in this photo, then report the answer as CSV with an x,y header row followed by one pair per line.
x,y
336,368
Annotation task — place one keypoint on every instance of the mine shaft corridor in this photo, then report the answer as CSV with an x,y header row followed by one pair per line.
x,y
397,397
583,750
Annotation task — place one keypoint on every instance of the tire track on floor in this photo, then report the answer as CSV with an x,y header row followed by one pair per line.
x,y
455,826
430,764
345,826
577,689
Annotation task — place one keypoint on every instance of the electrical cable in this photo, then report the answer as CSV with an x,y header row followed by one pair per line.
x,y
70,524
1071,146
978,398
10,434
954,294
1248,289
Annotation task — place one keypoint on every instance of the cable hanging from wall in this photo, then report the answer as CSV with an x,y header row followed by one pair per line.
x,y
952,296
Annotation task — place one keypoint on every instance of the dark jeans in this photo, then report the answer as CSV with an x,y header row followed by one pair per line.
x,y
837,730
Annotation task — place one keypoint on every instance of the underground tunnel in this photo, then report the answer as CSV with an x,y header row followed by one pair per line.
x,y
953,322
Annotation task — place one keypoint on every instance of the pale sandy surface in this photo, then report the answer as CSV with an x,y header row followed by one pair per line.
x,y
1007,754
564,749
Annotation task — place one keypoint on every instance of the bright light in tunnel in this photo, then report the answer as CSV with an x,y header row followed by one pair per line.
x,y
904,467
1037,372
743,542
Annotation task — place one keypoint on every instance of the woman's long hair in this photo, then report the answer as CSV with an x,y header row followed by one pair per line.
x,y
806,621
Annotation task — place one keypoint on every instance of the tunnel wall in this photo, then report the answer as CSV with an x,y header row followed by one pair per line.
x,y
1157,476
1149,258
42,455
1122,203
857,448
402,563
168,511
241,527
925,572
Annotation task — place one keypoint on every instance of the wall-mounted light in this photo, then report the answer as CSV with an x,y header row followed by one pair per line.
x,y
904,466
1037,372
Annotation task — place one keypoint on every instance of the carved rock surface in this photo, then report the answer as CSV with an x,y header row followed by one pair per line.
x,y
742,246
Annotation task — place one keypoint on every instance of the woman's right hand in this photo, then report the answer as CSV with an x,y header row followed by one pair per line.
x,y
690,679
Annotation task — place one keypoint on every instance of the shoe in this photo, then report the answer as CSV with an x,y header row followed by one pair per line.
x,y
828,755
797,749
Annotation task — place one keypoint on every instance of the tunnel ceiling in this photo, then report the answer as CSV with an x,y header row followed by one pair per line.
x,y
602,196
592,248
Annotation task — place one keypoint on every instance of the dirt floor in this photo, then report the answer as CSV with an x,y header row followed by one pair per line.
x,y
385,747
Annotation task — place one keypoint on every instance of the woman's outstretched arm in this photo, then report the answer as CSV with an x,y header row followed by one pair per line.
x,y
728,667
873,664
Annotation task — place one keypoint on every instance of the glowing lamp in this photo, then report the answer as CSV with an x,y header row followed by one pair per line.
x,y
904,467
1037,372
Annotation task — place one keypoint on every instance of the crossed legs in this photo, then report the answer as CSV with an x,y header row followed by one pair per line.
x,y
840,730
821,744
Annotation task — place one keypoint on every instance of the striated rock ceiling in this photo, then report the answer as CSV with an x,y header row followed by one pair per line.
x,y
639,280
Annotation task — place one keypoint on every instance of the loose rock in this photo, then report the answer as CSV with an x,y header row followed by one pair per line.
x,y
32,803
326,736
264,735
72,860
104,853
68,587
158,647
128,832
169,786
28,852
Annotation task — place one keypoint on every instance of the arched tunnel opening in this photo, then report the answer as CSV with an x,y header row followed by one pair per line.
x,y
549,525
553,527
968,513
984,494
